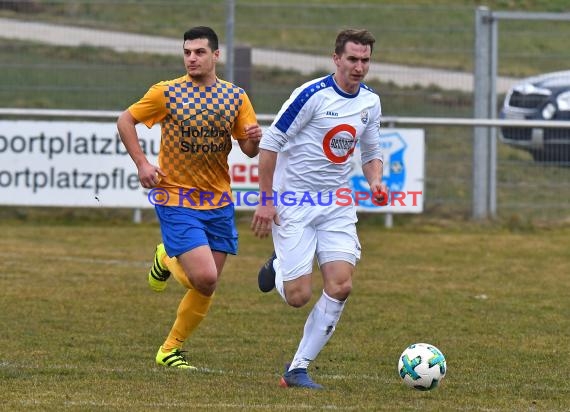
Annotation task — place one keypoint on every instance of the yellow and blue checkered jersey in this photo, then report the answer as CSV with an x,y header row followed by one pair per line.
x,y
197,126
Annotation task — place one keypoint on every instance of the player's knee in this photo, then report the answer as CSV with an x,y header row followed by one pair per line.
x,y
297,301
339,291
205,282
297,297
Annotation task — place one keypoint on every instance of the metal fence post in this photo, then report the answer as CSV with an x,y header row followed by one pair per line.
x,y
493,155
137,215
243,68
230,24
481,96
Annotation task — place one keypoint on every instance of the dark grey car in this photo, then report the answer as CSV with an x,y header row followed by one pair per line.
x,y
544,97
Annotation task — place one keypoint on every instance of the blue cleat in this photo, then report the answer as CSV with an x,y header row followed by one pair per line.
x,y
298,378
266,276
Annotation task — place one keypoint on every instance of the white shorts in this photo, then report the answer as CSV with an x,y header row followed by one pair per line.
x,y
327,231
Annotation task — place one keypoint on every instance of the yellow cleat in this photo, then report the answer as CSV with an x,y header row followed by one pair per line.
x,y
159,273
174,359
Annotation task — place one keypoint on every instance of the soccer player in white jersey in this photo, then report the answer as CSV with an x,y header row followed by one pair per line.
x,y
304,164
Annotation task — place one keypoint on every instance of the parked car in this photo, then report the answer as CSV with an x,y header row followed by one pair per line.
x,y
544,97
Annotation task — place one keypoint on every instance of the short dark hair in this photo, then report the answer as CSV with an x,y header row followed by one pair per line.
x,y
359,36
203,32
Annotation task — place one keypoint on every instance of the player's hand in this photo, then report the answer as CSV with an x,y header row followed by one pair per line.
x,y
262,220
253,132
380,193
150,175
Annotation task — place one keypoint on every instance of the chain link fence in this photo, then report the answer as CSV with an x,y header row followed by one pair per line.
x,y
103,55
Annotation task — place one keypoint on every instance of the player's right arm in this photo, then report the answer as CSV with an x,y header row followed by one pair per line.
x,y
265,212
147,172
293,116
150,109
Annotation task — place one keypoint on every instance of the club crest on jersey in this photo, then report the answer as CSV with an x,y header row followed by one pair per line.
x,y
364,116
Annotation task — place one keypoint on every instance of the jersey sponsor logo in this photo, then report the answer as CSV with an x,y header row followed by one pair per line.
x,y
342,144
208,132
339,143
193,147
204,131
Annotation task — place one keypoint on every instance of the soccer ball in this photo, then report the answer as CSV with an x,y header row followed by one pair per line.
x,y
422,366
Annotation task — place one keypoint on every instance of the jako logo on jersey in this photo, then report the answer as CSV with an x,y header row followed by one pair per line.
x,y
339,143
364,116
333,114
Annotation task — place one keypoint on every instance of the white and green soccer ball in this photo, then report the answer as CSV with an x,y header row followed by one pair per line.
x,y
422,366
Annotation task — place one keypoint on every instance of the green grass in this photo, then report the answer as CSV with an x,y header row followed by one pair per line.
x,y
426,33
100,79
81,327
417,32
78,78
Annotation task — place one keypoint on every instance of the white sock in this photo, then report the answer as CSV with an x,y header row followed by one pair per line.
x,y
319,328
279,279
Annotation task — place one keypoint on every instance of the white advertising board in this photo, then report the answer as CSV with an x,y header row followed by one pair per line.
x,y
84,164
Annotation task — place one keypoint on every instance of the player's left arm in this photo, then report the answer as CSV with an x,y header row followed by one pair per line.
x,y
246,129
372,171
372,157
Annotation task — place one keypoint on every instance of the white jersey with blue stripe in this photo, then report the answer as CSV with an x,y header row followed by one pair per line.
x,y
316,132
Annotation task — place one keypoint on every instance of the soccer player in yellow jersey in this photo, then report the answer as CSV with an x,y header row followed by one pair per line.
x,y
199,114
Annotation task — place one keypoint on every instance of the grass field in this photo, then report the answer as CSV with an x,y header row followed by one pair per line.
x,y
80,326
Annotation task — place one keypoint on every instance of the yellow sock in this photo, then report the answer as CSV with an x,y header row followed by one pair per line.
x,y
191,311
174,266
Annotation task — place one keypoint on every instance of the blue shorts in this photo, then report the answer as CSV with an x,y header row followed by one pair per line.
x,y
184,229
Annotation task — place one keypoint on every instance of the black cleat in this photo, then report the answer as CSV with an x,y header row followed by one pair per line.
x,y
266,276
